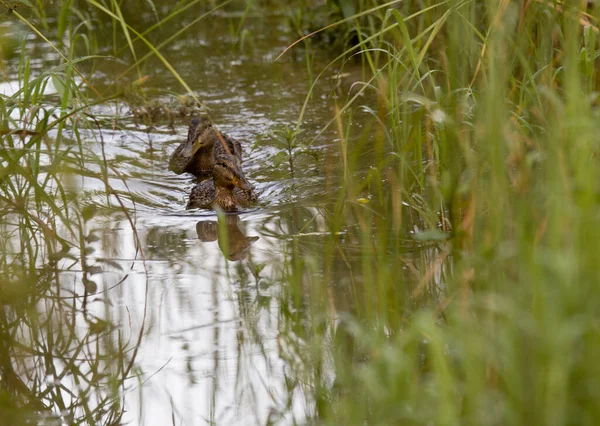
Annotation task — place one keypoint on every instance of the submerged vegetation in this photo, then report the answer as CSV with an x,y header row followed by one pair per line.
x,y
445,275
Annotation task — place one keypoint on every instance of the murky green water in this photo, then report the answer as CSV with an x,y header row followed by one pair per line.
x,y
210,323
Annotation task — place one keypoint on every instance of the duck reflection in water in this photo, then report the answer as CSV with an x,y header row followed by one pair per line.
x,y
232,241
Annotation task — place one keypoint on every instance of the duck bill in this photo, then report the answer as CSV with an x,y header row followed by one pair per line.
x,y
193,139
191,147
242,183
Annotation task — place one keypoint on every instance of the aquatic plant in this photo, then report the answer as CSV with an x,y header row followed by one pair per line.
x,y
482,142
62,359
446,273
289,148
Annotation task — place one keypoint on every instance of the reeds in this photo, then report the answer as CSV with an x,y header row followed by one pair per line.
x,y
61,359
473,287
451,280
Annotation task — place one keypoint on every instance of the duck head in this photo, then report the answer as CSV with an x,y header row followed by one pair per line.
x,y
194,138
228,173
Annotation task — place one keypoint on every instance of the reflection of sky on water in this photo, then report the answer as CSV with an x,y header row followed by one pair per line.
x,y
208,351
197,354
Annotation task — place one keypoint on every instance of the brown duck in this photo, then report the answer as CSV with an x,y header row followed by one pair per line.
x,y
196,155
227,190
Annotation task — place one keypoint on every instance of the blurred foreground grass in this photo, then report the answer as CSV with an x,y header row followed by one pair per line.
x,y
471,242
487,118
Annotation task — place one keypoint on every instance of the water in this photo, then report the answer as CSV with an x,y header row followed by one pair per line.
x,y
208,323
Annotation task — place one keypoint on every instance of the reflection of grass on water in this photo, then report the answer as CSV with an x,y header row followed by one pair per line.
x,y
61,361
454,281
59,358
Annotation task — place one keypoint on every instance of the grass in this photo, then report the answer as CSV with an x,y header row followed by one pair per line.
x,y
457,281
486,114
61,362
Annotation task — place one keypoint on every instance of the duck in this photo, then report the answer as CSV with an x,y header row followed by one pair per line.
x,y
196,154
227,190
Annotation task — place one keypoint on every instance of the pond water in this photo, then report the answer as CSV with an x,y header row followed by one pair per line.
x,y
210,322
211,330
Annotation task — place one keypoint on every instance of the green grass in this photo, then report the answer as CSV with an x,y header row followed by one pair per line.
x,y
59,360
487,116
457,283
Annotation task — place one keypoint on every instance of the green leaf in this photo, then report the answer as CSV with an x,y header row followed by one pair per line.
x,y
88,212
90,286
94,269
348,8
431,235
61,87
92,237
110,262
151,3
279,158
55,257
